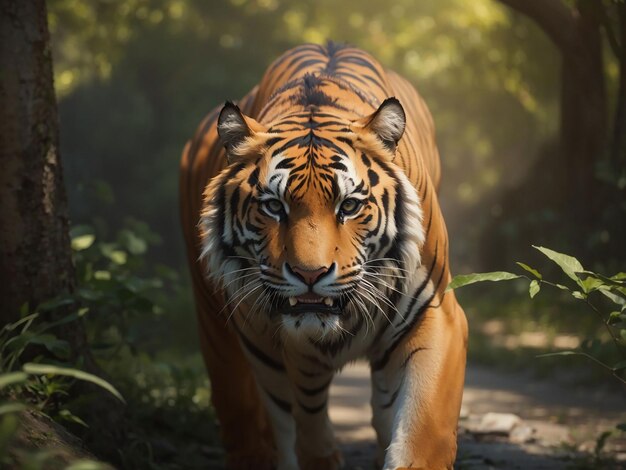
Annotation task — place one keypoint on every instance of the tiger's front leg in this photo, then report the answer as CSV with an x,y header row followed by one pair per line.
x,y
416,415
315,441
294,390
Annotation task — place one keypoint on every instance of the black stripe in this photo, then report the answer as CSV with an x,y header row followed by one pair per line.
x,y
314,391
393,398
310,374
313,409
410,355
283,405
382,362
260,355
364,63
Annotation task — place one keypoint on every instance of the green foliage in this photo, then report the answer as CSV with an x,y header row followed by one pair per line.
x,y
585,287
50,370
586,283
36,385
131,309
136,77
467,279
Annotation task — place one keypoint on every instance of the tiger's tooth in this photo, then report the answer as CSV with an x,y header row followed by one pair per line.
x,y
328,301
292,301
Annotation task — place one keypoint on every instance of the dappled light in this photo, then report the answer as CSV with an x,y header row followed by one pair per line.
x,y
103,359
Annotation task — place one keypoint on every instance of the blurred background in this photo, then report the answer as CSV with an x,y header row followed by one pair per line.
x,y
529,103
134,79
526,140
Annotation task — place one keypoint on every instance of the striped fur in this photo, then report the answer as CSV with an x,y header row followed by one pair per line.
x,y
320,170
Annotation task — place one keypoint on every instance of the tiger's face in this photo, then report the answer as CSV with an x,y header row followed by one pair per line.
x,y
312,222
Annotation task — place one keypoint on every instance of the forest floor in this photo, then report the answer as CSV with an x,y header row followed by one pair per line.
x,y
507,422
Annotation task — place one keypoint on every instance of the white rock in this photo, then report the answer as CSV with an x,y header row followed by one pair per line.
x,y
498,423
521,434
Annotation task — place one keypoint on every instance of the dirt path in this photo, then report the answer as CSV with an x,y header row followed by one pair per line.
x,y
555,422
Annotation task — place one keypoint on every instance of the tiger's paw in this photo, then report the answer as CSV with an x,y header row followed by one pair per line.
x,y
333,461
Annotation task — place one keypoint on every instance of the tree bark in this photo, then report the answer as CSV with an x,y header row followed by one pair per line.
x,y
584,111
35,253
553,17
35,263
618,140
583,125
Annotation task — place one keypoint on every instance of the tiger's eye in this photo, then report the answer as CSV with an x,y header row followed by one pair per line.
x,y
350,206
273,206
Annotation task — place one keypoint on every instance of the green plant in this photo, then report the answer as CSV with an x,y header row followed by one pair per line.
x,y
38,372
37,386
605,296
586,285
133,313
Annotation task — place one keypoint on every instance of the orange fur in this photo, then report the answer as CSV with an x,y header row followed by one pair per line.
x,y
312,239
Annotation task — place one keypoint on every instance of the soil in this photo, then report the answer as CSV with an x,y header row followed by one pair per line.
x,y
508,421
557,428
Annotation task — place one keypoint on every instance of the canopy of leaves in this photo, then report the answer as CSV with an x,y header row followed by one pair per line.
x,y
135,78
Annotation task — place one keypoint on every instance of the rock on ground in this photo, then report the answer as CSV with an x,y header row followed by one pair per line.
x,y
508,422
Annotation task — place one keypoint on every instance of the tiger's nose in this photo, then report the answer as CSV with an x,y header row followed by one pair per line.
x,y
309,276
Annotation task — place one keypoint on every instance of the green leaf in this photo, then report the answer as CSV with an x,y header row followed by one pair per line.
x,y
532,271
118,257
89,294
67,415
26,319
617,299
83,242
467,279
133,243
591,283
561,353
102,275
614,281
533,289
12,378
616,317
56,303
8,427
58,347
568,264
579,295
12,407
32,368
87,465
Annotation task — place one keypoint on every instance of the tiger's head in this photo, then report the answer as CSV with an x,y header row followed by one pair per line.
x,y
311,222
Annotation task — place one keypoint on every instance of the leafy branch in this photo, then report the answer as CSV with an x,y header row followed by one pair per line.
x,y
586,283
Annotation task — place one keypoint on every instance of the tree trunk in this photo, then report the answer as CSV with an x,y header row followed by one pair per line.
x,y
618,141
584,111
583,133
35,252
36,262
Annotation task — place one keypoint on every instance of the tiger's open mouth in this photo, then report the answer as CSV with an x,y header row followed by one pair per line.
x,y
311,303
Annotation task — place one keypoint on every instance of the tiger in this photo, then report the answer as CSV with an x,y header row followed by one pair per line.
x,y
315,238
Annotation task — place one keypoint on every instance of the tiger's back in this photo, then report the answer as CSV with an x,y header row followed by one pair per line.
x,y
204,156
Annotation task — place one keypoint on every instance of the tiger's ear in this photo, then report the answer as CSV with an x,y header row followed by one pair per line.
x,y
235,129
387,123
